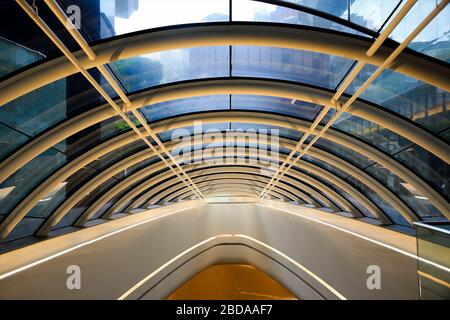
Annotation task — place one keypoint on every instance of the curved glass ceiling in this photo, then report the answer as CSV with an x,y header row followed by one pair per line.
x,y
79,161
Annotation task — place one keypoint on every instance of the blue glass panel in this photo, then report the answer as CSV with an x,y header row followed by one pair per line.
x,y
433,40
14,56
46,106
341,192
24,180
170,66
118,154
430,168
287,64
10,140
393,214
179,107
267,130
108,18
370,132
344,153
420,204
299,109
177,134
246,10
93,135
420,102
63,190
370,14
364,189
81,206
26,227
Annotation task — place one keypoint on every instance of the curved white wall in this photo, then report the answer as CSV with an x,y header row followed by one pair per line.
x,y
314,254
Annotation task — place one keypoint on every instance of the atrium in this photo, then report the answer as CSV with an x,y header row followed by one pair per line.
x,y
224,149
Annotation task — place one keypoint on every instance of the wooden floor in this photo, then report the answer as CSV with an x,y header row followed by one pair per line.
x,y
231,282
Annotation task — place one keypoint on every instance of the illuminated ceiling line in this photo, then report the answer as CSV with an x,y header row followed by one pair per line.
x,y
216,87
343,107
217,34
70,56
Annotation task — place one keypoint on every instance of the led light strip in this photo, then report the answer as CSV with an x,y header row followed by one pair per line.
x,y
58,254
231,236
388,246
53,256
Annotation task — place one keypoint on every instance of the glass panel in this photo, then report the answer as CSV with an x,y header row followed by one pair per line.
x,y
344,153
245,10
364,189
118,154
370,14
266,130
445,135
393,214
433,244
169,66
63,190
46,106
176,134
308,67
179,107
107,206
370,132
433,40
420,102
13,56
299,109
28,177
430,168
341,192
92,136
26,227
127,172
81,206
108,18
10,140
420,204
37,110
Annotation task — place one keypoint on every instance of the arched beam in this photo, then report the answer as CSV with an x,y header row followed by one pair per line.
x,y
29,202
202,170
220,34
225,86
315,198
310,167
259,185
219,117
97,205
236,182
216,87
